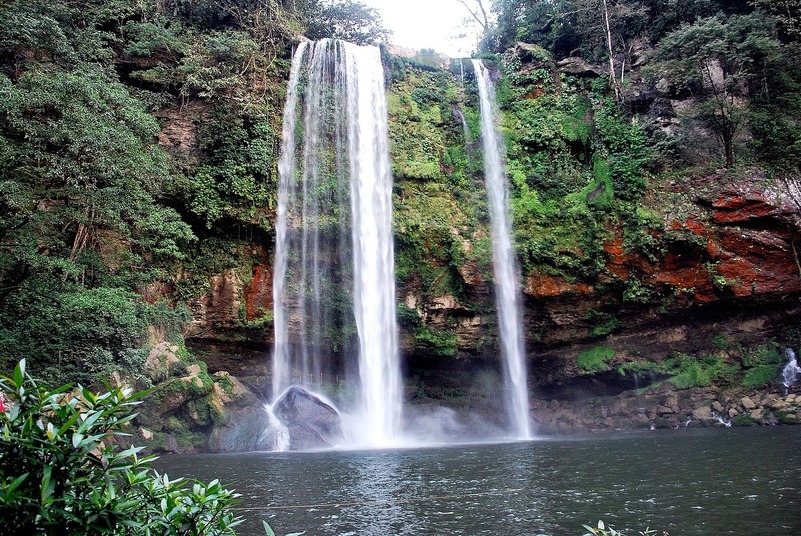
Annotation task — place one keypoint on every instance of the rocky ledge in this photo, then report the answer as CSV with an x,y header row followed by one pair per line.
x,y
665,407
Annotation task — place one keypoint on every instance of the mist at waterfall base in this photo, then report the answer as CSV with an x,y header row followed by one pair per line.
x,y
688,482
334,281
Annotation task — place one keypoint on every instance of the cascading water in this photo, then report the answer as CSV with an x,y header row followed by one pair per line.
x,y
465,127
507,296
791,370
334,260
373,255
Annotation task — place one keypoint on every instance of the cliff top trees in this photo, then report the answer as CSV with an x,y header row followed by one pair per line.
x,y
349,20
722,62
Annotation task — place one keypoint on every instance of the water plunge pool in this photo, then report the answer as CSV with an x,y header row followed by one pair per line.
x,y
686,482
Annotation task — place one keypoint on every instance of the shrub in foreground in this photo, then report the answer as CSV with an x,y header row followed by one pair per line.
x,y
61,474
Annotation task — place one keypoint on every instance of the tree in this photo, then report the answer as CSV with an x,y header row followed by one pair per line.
x,y
348,20
81,176
611,26
477,11
788,14
720,62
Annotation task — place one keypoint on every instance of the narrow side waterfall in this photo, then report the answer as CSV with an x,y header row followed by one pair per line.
x,y
791,370
507,295
334,260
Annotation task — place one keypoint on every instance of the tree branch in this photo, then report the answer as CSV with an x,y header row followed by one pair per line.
x,y
483,24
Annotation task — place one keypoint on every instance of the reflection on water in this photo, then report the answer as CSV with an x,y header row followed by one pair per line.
x,y
689,482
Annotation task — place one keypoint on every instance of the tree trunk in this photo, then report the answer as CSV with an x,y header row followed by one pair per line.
x,y
612,77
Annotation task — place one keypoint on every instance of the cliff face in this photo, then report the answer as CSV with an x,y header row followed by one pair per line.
x,y
624,263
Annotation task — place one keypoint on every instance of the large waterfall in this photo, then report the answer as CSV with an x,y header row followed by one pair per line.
x,y
334,260
507,295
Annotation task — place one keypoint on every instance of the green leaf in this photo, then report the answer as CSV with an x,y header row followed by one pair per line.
x,y
47,486
71,421
268,530
16,482
19,373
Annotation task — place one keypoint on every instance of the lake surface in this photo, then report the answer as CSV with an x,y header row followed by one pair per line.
x,y
686,482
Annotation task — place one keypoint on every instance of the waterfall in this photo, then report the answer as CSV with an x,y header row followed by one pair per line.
x,y
465,127
373,255
334,260
791,370
507,295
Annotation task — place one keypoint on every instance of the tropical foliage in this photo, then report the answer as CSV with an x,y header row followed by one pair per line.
x,y
62,471
97,211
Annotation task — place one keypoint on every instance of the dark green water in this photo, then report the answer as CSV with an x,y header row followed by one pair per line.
x,y
744,482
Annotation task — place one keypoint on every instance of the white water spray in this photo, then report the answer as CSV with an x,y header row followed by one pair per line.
x,y
334,232
279,432
507,295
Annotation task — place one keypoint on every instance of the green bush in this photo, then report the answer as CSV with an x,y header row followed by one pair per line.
x,y
760,376
690,371
60,472
77,334
767,354
441,342
744,420
595,360
762,366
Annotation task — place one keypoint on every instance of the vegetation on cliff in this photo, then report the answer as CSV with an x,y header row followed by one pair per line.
x,y
106,216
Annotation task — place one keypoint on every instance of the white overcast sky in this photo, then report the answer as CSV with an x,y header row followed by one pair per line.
x,y
428,24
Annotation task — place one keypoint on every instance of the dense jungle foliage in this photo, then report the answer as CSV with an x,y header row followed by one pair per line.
x,y
97,218
108,225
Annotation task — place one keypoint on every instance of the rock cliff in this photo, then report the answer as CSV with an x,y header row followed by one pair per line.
x,y
642,264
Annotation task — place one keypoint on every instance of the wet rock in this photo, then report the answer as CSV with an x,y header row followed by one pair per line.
x,y
312,423
778,404
664,410
703,413
245,422
258,293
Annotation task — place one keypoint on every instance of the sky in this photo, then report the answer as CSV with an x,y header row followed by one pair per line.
x,y
433,24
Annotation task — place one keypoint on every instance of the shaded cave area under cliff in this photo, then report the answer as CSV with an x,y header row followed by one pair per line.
x,y
642,334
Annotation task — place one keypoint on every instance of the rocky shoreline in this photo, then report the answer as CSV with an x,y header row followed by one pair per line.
x,y
666,407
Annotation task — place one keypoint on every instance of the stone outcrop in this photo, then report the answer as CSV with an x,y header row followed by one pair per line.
x,y
245,423
580,67
729,267
312,423
191,409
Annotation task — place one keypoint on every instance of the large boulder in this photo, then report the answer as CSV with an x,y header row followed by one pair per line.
x,y
312,423
246,424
